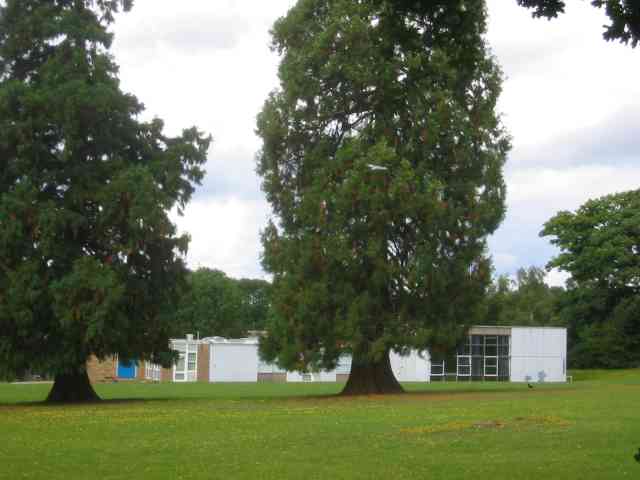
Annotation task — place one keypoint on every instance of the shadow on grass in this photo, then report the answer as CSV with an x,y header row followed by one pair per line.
x,y
115,394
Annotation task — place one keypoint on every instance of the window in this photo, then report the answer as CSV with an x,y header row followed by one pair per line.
x,y
504,359
503,346
477,367
490,367
491,346
477,345
437,370
191,366
180,362
464,366
186,366
483,356
465,348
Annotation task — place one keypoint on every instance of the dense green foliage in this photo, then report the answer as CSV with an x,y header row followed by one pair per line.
x,y
210,307
382,160
255,298
527,300
600,247
89,261
216,305
583,430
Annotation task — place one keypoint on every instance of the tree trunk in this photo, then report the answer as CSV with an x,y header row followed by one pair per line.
x,y
72,388
371,378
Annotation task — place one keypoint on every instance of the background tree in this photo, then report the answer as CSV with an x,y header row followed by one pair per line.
x,y
89,262
255,295
600,247
217,305
525,300
382,160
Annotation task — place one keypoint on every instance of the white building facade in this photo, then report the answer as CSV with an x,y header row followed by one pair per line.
x,y
488,353
516,354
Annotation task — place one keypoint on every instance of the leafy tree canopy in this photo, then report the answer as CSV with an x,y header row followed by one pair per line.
x,y
216,305
255,295
600,247
382,160
525,300
90,263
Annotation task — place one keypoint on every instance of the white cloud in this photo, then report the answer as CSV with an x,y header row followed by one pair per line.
x,y
504,261
225,235
556,278
535,195
561,75
544,191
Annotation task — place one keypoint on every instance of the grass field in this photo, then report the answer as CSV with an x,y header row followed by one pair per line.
x,y
588,429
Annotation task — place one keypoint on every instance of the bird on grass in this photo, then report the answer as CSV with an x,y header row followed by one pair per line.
x,y
637,456
529,385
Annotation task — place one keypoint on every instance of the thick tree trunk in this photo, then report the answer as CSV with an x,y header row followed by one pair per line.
x,y
72,388
371,378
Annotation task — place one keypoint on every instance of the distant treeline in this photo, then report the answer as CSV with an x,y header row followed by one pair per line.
x,y
215,304
602,332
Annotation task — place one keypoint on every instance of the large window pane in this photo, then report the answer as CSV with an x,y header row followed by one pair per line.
x,y
503,346
477,345
464,366
491,346
180,363
503,368
464,347
490,367
192,361
477,367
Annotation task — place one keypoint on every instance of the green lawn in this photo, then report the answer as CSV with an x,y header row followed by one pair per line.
x,y
589,429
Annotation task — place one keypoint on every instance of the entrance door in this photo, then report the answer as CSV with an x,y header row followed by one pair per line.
x,y
126,370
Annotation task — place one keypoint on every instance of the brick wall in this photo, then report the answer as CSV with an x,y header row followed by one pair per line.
x,y
140,370
272,377
104,371
166,375
203,362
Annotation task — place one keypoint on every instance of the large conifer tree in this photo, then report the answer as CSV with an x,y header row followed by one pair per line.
x,y
382,160
89,261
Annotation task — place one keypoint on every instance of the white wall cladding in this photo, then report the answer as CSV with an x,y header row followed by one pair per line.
x,y
538,354
233,361
415,367
266,367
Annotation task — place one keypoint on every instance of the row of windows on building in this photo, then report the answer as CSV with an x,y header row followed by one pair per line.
x,y
480,357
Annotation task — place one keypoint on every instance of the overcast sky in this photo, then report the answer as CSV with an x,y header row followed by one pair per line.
x,y
570,100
